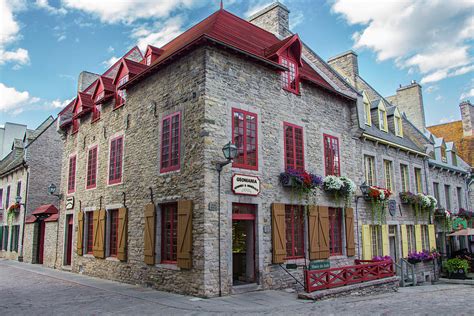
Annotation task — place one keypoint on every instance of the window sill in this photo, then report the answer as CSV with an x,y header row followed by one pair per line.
x,y
168,266
170,171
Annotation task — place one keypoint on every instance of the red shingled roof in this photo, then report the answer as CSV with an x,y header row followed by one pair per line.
x,y
225,28
133,68
45,209
52,218
154,50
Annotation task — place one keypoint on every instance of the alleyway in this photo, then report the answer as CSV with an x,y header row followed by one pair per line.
x,y
30,289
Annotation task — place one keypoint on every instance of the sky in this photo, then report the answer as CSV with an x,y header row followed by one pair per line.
x,y
45,44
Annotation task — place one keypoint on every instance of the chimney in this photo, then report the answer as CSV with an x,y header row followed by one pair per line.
x,y
409,99
347,65
85,80
274,18
467,116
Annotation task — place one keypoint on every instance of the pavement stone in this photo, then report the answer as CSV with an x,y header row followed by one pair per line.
x,y
34,290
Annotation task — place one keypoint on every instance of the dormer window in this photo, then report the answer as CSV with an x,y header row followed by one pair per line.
x,y
454,158
123,80
367,116
398,124
96,112
443,154
99,96
121,98
148,60
289,78
383,119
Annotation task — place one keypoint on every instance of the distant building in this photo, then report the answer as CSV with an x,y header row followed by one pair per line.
x,y
8,133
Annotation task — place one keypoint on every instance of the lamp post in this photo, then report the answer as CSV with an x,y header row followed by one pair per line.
x,y
18,202
230,152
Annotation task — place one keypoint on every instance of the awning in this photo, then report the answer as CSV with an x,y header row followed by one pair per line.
x,y
30,219
45,210
52,218
463,232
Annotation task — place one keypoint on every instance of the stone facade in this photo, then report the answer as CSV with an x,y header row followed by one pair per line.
x,y
410,100
274,18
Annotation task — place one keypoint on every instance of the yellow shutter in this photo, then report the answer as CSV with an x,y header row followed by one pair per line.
x,y
404,241
122,234
149,236
350,244
278,233
323,232
385,241
313,225
419,246
185,234
432,236
366,243
80,232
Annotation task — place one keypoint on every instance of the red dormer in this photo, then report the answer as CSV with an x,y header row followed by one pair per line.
x,y
127,70
83,104
288,53
103,91
152,53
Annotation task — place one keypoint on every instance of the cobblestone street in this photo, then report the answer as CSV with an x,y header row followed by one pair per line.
x,y
31,289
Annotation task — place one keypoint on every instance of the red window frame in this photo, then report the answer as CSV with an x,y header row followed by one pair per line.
x,y
332,157
290,78
115,160
113,235
121,98
91,180
169,228
170,157
90,232
294,220
75,126
71,182
96,113
335,231
245,134
293,146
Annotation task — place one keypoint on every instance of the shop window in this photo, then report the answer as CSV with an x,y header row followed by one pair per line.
x,y
115,160
169,232
335,231
294,222
294,147
405,178
289,78
369,163
71,183
90,232
170,142
245,138
331,155
1,237
376,238
92,168
15,238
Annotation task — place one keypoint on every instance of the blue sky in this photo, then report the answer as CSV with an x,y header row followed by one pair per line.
x,y
45,44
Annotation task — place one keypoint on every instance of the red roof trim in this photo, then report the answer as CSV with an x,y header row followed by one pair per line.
x,y
277,49
45,209
30,219
52,218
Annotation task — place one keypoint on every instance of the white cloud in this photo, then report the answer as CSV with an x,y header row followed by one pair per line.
x,y
167,31
431,37
110,49
467,94
256,6
58,104
446,120
13,100
296,19
110,11
9,33
61,37
109,62
43,4
432,88
439,97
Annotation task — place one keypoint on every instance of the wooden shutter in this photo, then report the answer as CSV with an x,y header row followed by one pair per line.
x,y
366,243
404,241
95,230
149,237
419,246
122,234
350,244
323,232
80,232
99,234
185,237
313,226
278,232
432,236
385,242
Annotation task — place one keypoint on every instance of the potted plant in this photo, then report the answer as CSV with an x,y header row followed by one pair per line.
x,y
300,181
379,199
457,268
406,197
339,187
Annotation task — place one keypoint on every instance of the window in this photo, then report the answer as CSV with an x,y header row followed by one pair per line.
x,y
123,80
405,178
148,60
331,155
121,98
7,198
113,233
100,96
369,162
71,182
14,238
170,230
170,142
436,191
1,198
75,126
411,238
289,78
383,119
18,188
244,137
398,125
115,160
5,237
388,174
418,183
376,235
447,195
96,112
335,231
425,241
294,222
294,148
1,237
90,232
454,158
443,153
368,116
92,168
459,194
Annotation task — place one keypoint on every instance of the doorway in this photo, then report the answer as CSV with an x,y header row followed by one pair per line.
x,y
392,238
42,227
69,227
243,244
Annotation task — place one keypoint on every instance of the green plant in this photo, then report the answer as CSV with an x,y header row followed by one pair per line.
x,y
456,264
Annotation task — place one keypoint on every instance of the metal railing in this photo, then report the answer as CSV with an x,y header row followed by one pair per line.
x,y
407,273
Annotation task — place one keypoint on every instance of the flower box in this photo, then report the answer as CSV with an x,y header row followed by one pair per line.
x,y
459,275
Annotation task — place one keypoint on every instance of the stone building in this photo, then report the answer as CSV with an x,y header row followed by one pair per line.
x,y
25,174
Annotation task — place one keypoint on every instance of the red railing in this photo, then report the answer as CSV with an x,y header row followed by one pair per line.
x,y
335,277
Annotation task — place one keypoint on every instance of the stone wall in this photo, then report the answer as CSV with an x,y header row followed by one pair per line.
x,y
274,18
347,65
409,99
446,177
50,240
426,272
30,245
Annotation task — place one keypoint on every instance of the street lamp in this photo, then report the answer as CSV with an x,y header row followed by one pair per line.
x,y
364,188
230,152
52,191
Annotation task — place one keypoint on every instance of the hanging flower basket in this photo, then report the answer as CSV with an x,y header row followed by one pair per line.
x,y
406,197
300,181
11,212
339,187
379,199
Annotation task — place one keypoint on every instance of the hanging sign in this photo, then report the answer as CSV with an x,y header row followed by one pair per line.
x,y
245,185
319,265
69,203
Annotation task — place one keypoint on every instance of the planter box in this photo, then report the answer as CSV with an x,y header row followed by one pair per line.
x,y
459,275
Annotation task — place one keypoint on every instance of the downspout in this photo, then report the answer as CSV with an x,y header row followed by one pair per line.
x,y
20,257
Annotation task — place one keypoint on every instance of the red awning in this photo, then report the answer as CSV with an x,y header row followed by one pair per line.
x,y
52,218
30,219
45,210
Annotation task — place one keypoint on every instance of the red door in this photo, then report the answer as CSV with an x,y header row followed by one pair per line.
x,y
69,240
41,242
